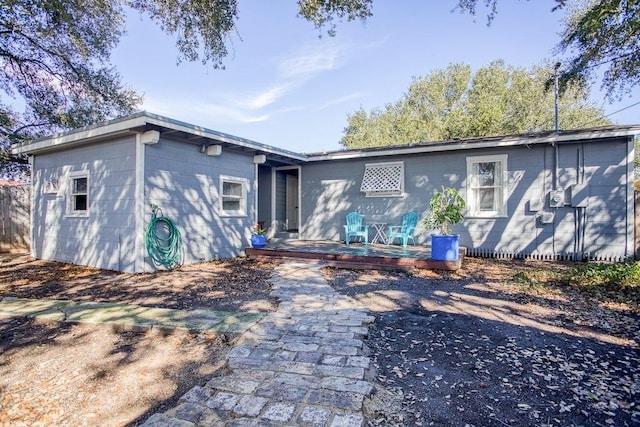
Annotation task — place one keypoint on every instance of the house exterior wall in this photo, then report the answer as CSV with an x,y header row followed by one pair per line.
x,y
331,189
104,237
177,177
185,184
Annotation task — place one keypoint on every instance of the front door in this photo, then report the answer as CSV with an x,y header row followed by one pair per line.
x,y
292,202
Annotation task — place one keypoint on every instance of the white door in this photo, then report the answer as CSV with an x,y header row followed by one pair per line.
x,y
292,202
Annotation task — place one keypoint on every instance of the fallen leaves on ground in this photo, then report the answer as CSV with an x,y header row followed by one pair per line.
x,y
476,348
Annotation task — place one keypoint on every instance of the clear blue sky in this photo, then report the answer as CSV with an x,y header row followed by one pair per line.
x,y
285,86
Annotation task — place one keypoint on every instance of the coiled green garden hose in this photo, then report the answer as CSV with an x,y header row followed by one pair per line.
x,y
164,249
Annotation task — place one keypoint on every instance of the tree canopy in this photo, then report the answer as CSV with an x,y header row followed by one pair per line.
x,y
457,103
55,72
599,36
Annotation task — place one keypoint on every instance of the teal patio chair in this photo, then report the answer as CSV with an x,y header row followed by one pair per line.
x,y
354,228
405,231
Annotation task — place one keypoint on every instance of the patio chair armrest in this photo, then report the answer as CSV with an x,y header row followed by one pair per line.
x,y
394,227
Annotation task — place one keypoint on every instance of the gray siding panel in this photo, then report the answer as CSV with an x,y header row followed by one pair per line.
x,y
185,184
104,238
332,189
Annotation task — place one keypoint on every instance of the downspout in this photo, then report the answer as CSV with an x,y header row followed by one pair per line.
x,y
555,146
630,242
138,263
576,213
255,193
32,202
583,210
556,168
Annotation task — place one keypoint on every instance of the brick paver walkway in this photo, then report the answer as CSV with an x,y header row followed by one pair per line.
x,y
303,364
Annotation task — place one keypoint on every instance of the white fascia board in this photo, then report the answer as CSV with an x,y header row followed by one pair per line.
x,y
80,137
205,133
474,144
125,126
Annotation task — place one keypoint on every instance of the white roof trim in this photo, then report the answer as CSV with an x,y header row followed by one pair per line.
x,y
126,125
507,141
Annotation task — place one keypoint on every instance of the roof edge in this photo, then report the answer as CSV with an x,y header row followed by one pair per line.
x,y
486,142
128,124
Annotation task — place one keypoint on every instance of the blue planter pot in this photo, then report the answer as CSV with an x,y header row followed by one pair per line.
x,y
445,248
258,240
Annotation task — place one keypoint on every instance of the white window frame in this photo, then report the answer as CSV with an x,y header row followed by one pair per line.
x,y
473,208
71,197
375,185
244,183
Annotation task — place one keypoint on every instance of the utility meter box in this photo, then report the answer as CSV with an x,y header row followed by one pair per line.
x,y
546,217
556,198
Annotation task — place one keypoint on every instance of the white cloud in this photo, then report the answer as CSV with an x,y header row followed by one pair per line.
x,y
265,98
340,100
190,110
311,60
291,73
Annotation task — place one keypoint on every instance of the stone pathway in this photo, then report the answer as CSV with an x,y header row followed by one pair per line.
x,y
302,365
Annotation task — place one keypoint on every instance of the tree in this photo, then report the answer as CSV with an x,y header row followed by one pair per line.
x,y
456,103
598,35
54,57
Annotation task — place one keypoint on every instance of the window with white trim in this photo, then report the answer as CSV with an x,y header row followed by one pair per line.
x,y
383,179
486,186
78,194
233,192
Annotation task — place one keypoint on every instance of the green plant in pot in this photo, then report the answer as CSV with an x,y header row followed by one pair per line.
x,y
445,209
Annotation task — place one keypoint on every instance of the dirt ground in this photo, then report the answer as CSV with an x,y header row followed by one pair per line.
x,y
476,348
451,349
86,374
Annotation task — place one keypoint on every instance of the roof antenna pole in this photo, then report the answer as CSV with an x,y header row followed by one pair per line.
x,y
555,94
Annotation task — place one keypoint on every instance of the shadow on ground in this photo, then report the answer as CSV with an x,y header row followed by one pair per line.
x,y
479,350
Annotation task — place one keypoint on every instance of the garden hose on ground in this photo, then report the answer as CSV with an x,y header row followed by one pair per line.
x,y
163,241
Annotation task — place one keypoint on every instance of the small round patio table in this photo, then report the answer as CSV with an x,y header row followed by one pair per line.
x,y
381,235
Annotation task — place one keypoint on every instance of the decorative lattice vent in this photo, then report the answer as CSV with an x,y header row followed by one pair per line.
x,y
383,179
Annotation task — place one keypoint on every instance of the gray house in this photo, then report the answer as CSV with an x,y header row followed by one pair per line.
x,y
553,195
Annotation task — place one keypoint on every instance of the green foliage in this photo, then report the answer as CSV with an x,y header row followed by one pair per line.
x,y
536,278
611,276
54,57
322,12
604,32
445,209
597,35
456,103
614,281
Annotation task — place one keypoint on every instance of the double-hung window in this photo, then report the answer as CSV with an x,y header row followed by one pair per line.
x,y
233,200
78,194
486,186
383,179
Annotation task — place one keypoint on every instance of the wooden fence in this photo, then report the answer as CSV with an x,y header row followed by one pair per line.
x,y
15,203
